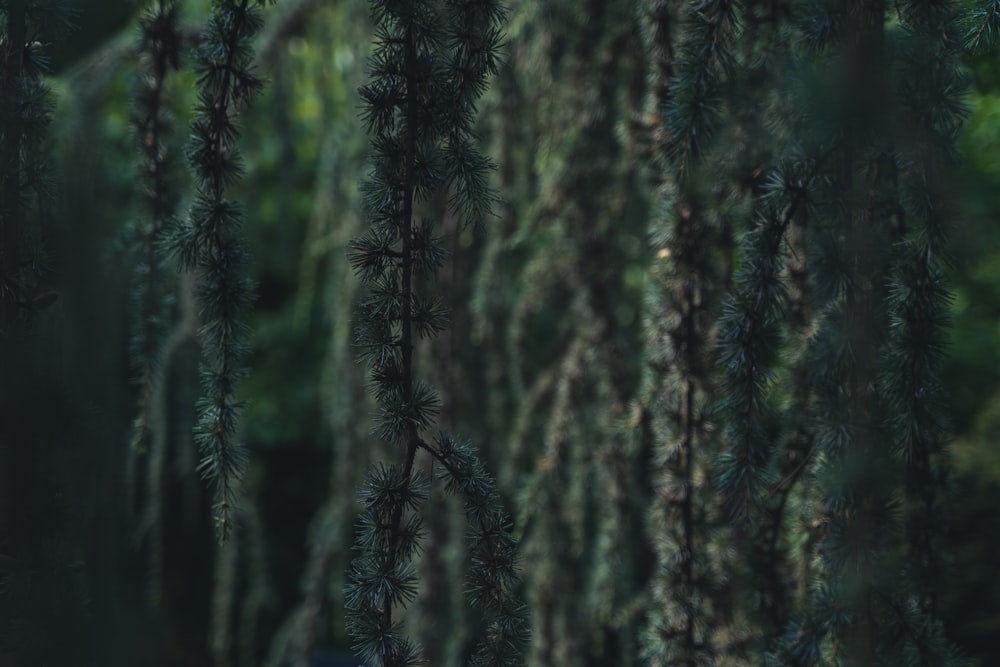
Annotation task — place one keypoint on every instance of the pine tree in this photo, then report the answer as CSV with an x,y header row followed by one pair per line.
x,y
430,64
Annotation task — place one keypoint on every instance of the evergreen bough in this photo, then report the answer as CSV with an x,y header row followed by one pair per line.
x,y
151,345
159,48
35,527
431,62
210,240
676,400
25,182
848,235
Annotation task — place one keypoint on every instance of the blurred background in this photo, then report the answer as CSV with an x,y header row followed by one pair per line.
x,y
536,380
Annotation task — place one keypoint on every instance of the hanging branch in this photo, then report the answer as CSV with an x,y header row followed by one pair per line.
x,y
431,62
704,59
210,240
749,339
878,344
10,208
160,43
918,296
25,112
150,345
159,46
677,396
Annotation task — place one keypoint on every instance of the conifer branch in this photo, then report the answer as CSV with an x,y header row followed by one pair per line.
x,y
880,328
25,181
39,531
25,112
210,242
918,298
681,625
160,43
983,27
11,169
678,399
430,63
748,338
493,578
856,508
704,60
151,344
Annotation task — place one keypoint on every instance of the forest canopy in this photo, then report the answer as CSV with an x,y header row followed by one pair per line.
x,y
544,332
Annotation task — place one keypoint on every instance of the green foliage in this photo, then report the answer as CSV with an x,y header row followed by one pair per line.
x,y
688,619
155,337
210,240
695,99
160,44
704,341
983,27
849,186
25,185
39,526
429,66
559,296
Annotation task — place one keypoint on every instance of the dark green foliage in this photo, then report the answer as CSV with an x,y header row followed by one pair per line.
x,y
160,46
40,582
25,188
701,342
748,341
492,551
918,297
563,326
694,110
708,146
210,241
155,336
430,64
831,338
983,27
689,620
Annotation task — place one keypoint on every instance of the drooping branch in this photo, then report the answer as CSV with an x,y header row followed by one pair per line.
x,y
429,65
210,240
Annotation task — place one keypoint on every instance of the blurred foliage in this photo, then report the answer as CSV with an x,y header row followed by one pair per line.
x,y
517,335
972,369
